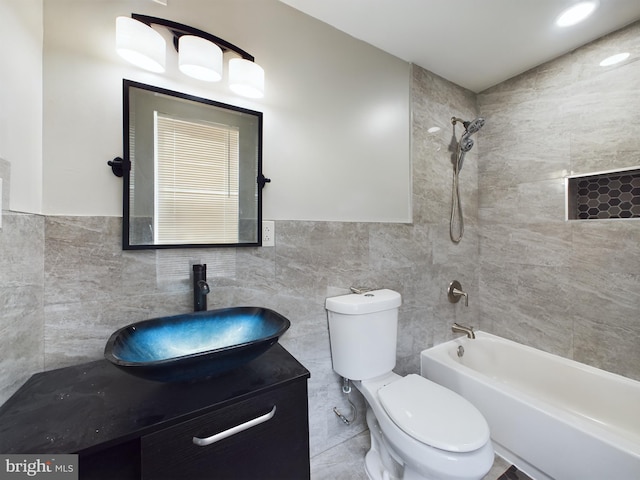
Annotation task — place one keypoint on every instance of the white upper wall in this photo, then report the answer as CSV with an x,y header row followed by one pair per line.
x,y
336,110
21,101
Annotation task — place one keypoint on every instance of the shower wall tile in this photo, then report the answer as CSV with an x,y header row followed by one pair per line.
x,y
434,102
463,254
427,314
526,244
524,203
609,245
530,155
575,282
605,298
614,349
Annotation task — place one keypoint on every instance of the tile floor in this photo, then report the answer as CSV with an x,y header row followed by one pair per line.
x,y
345,462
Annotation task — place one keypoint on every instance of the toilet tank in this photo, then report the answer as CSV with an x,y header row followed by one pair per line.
x,y
363,330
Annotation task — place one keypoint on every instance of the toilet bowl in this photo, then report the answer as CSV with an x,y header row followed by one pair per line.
x,y
428,431
419,429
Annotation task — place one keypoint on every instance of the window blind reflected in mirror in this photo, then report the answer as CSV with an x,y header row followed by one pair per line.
x,y
196,188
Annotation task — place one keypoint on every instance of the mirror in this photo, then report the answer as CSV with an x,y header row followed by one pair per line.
x,y
195,171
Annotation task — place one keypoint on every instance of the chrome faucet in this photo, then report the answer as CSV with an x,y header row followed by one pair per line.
x,y
455,328
200,287
455,292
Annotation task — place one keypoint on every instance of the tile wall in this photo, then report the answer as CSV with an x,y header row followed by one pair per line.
x,y
21,293
571,288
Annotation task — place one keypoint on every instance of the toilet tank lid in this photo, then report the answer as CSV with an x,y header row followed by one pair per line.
x,y
368,302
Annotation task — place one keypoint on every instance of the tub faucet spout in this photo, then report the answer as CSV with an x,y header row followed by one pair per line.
x,y
456,328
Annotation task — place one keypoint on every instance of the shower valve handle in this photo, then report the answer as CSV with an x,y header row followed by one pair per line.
x,y
455,292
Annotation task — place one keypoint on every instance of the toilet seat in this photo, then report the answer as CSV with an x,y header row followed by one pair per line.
x,y
434,415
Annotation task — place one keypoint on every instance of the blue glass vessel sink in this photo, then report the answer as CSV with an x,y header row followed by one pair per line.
x,y
196,345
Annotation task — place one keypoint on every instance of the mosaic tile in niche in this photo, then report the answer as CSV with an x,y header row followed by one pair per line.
x,y
604,196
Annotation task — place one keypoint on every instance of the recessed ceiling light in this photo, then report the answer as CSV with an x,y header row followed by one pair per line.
x,y
576,13
613,59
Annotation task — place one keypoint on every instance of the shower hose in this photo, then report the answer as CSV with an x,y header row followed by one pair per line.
x,y
456,225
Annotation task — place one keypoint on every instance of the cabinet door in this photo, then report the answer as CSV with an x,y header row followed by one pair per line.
x,y
271,444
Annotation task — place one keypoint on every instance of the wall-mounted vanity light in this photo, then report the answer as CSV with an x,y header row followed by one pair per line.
x,y
199,53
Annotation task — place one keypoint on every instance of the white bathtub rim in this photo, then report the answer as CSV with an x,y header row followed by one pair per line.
x,y
564,360
611,435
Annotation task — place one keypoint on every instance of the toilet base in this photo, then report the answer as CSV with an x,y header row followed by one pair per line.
x,y
378,462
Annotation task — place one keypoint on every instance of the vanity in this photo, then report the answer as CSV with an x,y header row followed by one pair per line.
x,y
250,423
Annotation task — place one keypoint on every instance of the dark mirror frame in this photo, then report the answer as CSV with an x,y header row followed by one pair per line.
x,y
126,169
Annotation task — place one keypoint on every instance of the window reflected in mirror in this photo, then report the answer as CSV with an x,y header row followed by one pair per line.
x,y
194,165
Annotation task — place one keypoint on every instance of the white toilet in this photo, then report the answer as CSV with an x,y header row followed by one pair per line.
x,y
419,429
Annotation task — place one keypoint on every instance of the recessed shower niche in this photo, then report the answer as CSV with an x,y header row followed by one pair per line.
x,y
604,195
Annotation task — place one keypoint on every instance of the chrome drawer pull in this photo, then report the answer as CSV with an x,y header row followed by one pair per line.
x,y
202,442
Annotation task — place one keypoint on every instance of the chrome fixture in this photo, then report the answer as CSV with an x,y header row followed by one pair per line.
x,y
455,292
200,287
463,146
200,54
456,328
460,351
346,389
361,290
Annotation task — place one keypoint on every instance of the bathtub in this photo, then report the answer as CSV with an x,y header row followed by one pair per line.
x,y
552,417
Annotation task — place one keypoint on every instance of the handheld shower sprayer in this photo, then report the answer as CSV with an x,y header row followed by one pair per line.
x,y
464,145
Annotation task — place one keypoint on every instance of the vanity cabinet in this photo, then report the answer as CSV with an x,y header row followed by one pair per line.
x,y
274,448
251,423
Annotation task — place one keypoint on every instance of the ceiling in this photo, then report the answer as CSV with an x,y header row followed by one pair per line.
x,y
473,43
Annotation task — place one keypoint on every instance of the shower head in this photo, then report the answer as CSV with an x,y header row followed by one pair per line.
x,y
470,127
466,143
474,125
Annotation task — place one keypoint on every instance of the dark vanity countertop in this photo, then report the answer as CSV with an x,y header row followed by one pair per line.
x,y
88,407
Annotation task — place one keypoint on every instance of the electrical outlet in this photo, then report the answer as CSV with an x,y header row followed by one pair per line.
x,y
268,233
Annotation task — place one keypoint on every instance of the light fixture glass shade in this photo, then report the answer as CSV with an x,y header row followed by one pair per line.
x,y
200,58
246,78
140,44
